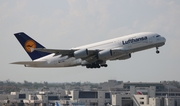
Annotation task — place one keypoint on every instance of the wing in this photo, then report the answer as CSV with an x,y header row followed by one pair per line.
x,y
56,51
69,52
86,54
89,55
28,62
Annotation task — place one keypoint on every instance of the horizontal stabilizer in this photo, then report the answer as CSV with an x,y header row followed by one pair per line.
x,y
28,62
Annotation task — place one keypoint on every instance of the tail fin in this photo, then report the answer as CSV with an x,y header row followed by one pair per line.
x,y
28,43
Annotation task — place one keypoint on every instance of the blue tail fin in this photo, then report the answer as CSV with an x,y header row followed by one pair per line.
x,y
28,43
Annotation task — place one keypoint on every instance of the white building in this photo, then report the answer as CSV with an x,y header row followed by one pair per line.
x,y
128,94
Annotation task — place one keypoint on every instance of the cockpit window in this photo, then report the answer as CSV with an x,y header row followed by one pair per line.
x,y
158,36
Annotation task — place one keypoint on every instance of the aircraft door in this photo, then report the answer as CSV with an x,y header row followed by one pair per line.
x,y
150,39
129,45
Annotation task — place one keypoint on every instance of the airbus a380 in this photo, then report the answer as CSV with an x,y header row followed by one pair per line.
x,y
93,55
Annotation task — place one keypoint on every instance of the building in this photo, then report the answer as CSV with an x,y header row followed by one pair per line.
x,y
116,94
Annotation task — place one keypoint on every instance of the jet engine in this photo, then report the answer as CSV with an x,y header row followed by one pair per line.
x,y
81,53
105,54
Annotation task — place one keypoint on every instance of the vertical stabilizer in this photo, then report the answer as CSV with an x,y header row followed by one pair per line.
x,y
28,43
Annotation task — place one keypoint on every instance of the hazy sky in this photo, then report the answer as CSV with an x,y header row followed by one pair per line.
x,y
64,24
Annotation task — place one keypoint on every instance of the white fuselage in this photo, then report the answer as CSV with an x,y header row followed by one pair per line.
x,y
130,43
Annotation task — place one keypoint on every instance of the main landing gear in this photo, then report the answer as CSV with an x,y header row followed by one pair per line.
x,y
95,65
157,51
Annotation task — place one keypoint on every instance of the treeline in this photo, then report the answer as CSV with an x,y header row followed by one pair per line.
x,y
174,83
11,86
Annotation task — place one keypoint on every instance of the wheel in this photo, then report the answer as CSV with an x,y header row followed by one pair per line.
x,y
157,52
98,67
87,66
104,65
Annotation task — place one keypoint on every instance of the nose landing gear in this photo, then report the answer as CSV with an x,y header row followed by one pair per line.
x,y
157,51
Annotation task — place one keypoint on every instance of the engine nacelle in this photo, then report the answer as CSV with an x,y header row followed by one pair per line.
x,y
105,54
125,57
81,53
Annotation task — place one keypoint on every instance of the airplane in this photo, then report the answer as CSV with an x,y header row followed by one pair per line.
x,y
93,55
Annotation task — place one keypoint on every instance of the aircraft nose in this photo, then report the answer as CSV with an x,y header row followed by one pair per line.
x,y
163,39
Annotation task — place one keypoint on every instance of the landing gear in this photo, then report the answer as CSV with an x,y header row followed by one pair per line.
x,y
157,51
95,65
104,65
